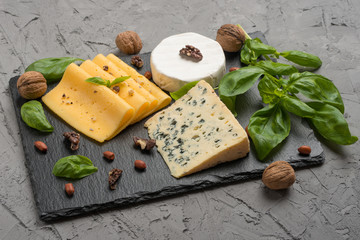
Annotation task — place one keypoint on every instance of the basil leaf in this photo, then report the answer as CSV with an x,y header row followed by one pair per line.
x,y
331,124
316,87
260,48
245,55
96,80
32,113
230,103
302,58
275,68
183,90
74,166
268,127
296,106
238,82
267,89
119,80
52,68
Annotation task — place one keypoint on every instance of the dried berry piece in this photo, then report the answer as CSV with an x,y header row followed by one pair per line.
x,y
192,52
137,61
144,144
109,155
74,139
41,146
69,189
114,175
148,75
139,164
233,69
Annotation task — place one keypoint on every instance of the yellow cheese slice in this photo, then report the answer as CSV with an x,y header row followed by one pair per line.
x,y
115,71
126,92
91,109
162,97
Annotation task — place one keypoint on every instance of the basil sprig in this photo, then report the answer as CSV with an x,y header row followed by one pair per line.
x,y
52,68
32,113
74,166
282,87
108,83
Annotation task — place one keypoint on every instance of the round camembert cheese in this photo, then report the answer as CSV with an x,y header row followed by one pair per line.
x,y
171,71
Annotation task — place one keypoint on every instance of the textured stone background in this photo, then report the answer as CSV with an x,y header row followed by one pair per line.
x,y
322,204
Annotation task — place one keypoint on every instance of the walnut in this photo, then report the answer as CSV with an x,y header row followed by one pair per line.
x,y
128,42
137,61
191,52
73,138
278,175
31,85
230,37
144,144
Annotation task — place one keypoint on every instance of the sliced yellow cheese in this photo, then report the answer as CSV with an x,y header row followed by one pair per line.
x,y
162,97
115,71
132,97
91,109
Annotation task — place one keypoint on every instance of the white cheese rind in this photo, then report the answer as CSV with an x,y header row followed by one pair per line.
x,y
197,132
171,71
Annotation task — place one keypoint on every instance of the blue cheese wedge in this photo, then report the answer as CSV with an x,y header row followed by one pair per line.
x,y
197,132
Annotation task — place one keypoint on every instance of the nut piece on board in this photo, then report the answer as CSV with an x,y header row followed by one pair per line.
x,y
233,69
148,75
41,146
304,150
230,37
69,189
129,42
74,139
144,144
139,164
109,155
278,175
114,175
137,61
31,85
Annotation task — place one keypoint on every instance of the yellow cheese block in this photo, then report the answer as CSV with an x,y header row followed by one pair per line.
x,y
126,92
91,109
115,71
162,97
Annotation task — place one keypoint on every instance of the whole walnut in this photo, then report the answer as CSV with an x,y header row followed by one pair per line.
x,y
230,37
31,85
278,175
128,42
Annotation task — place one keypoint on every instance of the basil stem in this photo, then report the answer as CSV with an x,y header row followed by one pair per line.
x,y
32,113
74,166
52,68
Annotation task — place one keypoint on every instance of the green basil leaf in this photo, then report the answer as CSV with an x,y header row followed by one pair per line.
x,y
32,113
119,80
331,124
294,105
268,127
275,68
238,82
260,48
316,87
302,58
230,103
96,80
183,90
245,55
267,89
74,166
52,68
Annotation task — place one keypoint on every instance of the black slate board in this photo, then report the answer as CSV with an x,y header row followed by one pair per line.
x,y
93,193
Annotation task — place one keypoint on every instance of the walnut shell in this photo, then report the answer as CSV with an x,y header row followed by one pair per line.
x,y
230,37
128,42
278,175
31,85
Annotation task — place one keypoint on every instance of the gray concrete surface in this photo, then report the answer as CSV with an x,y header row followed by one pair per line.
x,y
322,204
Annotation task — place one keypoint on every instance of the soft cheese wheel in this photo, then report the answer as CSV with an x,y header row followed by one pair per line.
x,y
197,132
171,71
116,72
162,97
91,109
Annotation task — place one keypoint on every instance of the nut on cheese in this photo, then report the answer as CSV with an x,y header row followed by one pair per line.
x,y
197,132
93,110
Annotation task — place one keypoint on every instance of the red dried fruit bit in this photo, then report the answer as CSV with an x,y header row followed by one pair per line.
x,y
109,155
41,146
148,75
304,150
140,164
247,131
69,189
233,69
